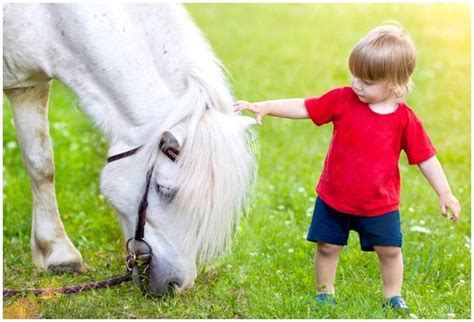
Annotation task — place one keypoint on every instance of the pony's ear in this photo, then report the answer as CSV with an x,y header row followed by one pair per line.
x,y
246,121
170,145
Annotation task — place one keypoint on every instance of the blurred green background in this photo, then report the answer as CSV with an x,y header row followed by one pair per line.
x,y
271,51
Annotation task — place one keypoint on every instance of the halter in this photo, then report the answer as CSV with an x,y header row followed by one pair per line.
x,y
138,249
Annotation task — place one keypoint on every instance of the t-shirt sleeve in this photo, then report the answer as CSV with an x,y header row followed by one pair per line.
x,y
416,141
325,108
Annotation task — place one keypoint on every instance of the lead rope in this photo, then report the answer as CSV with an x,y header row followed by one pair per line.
x,y
71,289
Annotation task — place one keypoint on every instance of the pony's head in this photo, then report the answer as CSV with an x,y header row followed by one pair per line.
x,y
195,201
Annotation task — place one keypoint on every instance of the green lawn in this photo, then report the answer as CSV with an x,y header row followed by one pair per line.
x,y
272,51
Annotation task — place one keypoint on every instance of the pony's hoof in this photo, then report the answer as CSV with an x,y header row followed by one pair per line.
x,y
66,268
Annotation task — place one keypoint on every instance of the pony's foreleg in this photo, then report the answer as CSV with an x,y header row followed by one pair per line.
x,y
51,247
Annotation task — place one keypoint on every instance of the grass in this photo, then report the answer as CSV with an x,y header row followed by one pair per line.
x,y
272,51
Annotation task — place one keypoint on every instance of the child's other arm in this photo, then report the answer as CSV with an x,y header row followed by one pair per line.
x,y
292,108
433,171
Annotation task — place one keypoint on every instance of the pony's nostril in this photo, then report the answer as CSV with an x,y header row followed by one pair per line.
x,y
172,285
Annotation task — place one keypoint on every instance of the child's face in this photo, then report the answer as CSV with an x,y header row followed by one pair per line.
x,y
371,92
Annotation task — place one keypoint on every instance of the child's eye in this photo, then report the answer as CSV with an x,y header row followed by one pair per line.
x,y
368,83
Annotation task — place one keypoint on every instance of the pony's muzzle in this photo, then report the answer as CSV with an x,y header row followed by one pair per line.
x,y
164,278
169,287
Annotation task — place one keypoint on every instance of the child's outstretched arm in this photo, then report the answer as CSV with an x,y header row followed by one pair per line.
x,y
433,171
292,108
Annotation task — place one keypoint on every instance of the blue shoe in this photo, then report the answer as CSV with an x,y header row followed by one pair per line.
x,y
325,298
396,303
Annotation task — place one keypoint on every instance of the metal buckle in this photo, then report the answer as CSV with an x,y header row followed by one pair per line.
x,y
138,249
138,262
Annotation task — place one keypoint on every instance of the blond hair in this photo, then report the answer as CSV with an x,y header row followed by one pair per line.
x,y
385,53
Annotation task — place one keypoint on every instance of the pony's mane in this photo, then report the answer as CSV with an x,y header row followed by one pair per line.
x,y
216,174
216,167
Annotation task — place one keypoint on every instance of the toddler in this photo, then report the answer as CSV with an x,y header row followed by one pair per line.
x,y
359,188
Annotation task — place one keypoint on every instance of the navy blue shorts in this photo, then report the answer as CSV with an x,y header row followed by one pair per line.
x,y
332,227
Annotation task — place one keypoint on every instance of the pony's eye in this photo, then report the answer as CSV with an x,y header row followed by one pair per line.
x,y
166,193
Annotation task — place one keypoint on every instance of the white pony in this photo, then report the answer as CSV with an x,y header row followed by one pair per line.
x,y
144,74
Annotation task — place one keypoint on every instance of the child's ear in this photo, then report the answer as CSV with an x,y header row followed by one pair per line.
x,y
246,121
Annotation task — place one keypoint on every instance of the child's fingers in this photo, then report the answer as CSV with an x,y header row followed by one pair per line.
x,y
240,105
259,119
456,211
246,106
240,102
453,207
443,210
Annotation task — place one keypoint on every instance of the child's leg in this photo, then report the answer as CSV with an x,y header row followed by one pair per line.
x,y
325,265
391,268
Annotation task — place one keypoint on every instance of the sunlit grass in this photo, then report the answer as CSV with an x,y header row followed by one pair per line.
x,y
272,51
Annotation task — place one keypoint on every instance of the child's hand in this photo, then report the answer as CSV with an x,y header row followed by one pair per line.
x,y
257,108
448,201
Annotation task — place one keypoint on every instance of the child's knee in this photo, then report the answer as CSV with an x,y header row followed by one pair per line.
x,y
388,251
325,249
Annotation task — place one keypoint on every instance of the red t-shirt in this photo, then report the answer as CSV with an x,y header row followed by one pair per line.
x,y
361,175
